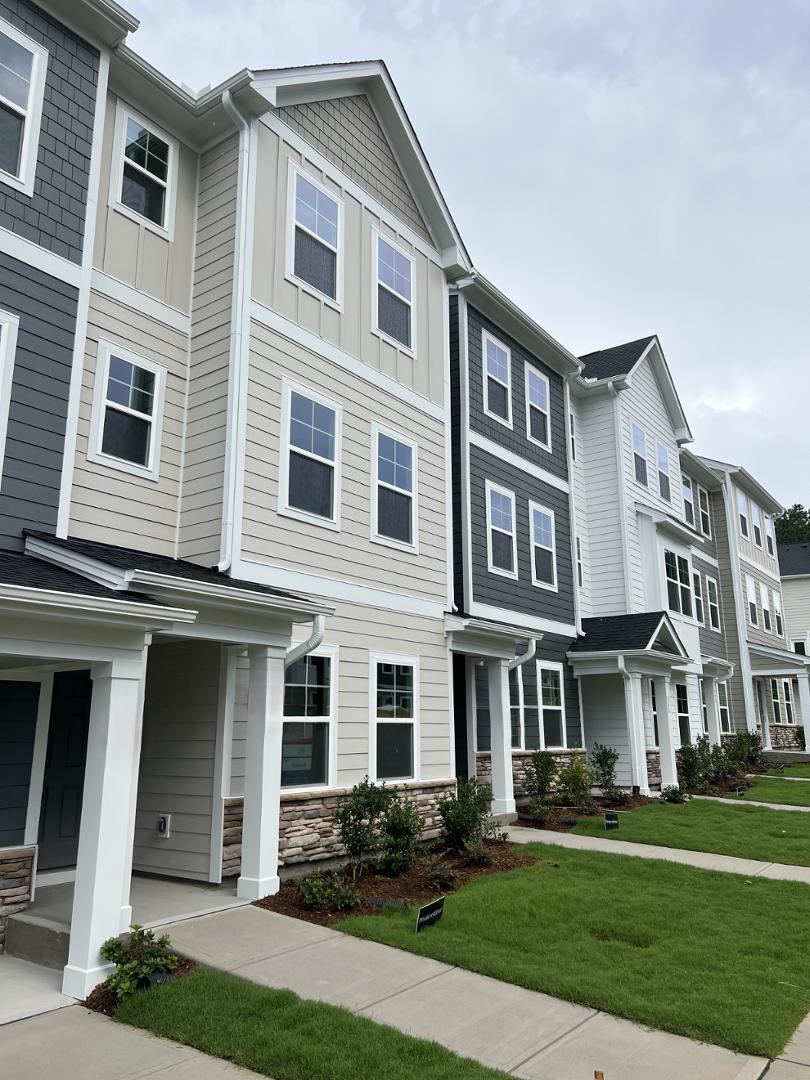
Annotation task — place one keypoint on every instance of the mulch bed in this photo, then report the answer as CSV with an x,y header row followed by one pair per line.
x,y
104,1000
408,887
563,819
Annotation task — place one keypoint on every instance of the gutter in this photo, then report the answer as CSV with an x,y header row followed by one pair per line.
x,y
531,652
312,642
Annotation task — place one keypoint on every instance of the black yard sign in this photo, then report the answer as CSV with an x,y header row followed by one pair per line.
x,y
429,914
611,819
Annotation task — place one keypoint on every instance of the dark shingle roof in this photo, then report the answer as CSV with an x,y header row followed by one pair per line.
x,y
617,633
30,573
619,360
794,559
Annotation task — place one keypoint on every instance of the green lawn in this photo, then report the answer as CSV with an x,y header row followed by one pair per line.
x,y
276,1033
747,832
705,954
775,790
801,771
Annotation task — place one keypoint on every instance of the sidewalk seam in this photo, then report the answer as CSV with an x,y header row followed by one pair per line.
x,y
556,1039
406,989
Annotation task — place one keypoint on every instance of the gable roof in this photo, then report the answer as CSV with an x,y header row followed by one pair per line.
x,y
743,478
628,633
794,559
30,573
618,360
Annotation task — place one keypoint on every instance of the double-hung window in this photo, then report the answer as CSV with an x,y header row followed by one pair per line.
x,y
765,598
393,295
713,598
751,592
552,704
679,583
742,506
580,575
777,613
310,456
788,691
394,488
143,178
699,614
705,513
664,489
127,416
497,380
537,408
776,701
516,706
654,711
544,559
688,489
315,243
23,64
640,454
501,540
395,711
307,742
682,705
573,428
769,540
756,522
724,708
704,708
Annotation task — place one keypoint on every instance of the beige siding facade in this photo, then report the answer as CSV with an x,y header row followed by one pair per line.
x,y
796,598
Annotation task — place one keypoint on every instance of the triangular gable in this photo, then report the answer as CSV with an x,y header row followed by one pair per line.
x,y
653,355
665,639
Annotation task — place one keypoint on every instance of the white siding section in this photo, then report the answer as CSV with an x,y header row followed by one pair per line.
x,y
796,601
605,719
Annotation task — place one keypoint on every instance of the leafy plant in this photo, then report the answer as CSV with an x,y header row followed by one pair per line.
x,y
400,832
475,854
466,814
327,892
575,783
603,760
541,812
136,957
672,794
539,777
800,739
438,875
690,767
745,750
359,820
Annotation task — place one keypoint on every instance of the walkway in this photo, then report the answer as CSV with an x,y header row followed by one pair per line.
x,y
752,802
705,860
524,1033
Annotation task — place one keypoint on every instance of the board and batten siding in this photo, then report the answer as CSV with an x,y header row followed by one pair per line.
x,y
177,767
350,329
206,421
348,554
107,504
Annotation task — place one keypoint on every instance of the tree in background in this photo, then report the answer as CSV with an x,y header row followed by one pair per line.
x,y
793,527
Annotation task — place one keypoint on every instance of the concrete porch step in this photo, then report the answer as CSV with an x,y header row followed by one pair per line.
x,y
37,940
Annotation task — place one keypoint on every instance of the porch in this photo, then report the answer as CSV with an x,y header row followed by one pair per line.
x,y
781,691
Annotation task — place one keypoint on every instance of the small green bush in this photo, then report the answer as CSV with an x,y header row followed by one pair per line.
x,y
541,812
466,814
800,739
438,875
575,783
359,821
745,749
673,794
690,767
400,832
475,854
137,957
539,778
327,892
603,761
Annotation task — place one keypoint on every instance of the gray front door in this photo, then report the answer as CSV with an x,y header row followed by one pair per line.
x,y
64,770
18,724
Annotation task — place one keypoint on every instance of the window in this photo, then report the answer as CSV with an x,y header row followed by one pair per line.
x,y
705,515
682,700
765,598
516,705
579,563
394,499
679,585
742,505
307,738
713,598
498,381
23,64
698,597
127,417
688,490
777,704
640,454
654,710
395,736
544,559
572,422
310,456
769,536
788,689
501,544
751,589
756,521
777,611
551,702
800,647
537,408
724,708
663,473
315,239
393,295
143,183
703,706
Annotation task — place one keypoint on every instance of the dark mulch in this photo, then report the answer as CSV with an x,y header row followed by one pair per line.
x,y
723,787
563,819
104,1000
409,887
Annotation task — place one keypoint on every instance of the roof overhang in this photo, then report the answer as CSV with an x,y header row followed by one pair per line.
x,y
482,638
715,667
663,652
745,480
101,21
19,600
769,661
666,524
699,470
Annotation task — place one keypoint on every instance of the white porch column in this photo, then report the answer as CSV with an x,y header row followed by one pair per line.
x,y
666,742
262,805
635,731
126,906
764,703
105,844
472,714
712,709
804,705
500,727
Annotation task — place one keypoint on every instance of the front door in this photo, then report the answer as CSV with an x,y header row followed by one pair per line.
x,y
64,770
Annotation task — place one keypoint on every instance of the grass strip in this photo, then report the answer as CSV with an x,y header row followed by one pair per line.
x,y
774,790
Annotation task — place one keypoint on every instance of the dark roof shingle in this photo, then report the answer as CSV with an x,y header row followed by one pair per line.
x,y
25,571
618,360
794,559
617,633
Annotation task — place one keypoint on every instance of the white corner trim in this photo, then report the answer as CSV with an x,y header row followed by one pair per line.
x,y
516,461
141,302
9,327
25,251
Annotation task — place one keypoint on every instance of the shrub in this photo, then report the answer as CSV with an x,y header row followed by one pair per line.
x,y
575,783
475,854
801,742
541,812
327,892
136,958
603,760
466,814
359,821
690,767
540,773
673,794
746,749
400,832
438,875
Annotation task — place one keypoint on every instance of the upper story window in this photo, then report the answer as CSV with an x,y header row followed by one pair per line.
x,y
688,499
501,542
663,473
724,708
127,414
317,222
640,454
23,64
679,583
307,736
395,690
537,408
393,295
573,426
698,583
765,597
143,177
544,560
769,540
742,505
713,599
756,522
704,513
394,488
498,380
800,646
777,613
751,592
310,456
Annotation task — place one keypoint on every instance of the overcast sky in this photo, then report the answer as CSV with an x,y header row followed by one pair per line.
x,y
618,167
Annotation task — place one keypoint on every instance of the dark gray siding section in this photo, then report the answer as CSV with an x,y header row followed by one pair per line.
x,y
515,438
553,647
716,509
711,643
54,216
457,419
18,722
519,595
29,487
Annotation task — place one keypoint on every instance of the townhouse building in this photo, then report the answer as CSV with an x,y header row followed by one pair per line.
x,y
794,571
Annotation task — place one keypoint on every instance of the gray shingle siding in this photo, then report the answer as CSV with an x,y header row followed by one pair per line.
x,y
29,488
54,216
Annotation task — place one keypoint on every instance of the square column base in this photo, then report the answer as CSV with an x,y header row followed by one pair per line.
x,y
78,982
256,888
503,808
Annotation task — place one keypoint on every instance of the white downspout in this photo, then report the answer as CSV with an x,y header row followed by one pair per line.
x,y
531,652
312,642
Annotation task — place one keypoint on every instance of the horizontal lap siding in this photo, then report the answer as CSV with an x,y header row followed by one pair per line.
x,y
747,547
728,603
796,601
712,643
605,719
758,634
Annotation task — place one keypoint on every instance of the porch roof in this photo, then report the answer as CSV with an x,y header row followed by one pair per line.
x,y
626,633
22,571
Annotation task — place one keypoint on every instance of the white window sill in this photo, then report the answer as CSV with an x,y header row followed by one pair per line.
x,y
335,303
310,519
152,226
140,471
397,545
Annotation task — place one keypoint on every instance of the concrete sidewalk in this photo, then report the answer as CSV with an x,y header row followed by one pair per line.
x,y
704,860
752,802
524,1033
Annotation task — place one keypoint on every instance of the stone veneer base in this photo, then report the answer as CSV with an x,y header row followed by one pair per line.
x,y
16,876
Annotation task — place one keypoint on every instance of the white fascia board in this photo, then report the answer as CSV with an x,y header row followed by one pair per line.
x,y
531,626
111,577
665,524
55,604
228,596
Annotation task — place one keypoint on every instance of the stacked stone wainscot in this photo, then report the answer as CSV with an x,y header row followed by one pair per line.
x,y
784,737
16,877
520,759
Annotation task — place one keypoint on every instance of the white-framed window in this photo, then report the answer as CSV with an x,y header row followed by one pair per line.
x,y
698,588
742,506
776,702
769,539
573,428
777,612
724,708
516,707
308,742
799,645
704,708
580,574
662,456
765,600
143,178
23,65
756,522
538,411
751,592
501,531
394,488
310,462
787,686
679,583
544,556
314,258
654,711
688,491
9,327
497,379
127,419
393,297
551,696
682,706
713,600
640,454
704,512
394,743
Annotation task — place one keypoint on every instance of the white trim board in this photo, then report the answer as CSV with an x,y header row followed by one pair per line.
x,y
141,302
760,569
519,619
25,251
517,462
